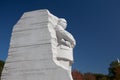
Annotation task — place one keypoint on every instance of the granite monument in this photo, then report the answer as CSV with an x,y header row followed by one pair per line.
x,y
40,48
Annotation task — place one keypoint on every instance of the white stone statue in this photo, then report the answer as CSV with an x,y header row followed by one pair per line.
x,y
66,43
63,36
40,48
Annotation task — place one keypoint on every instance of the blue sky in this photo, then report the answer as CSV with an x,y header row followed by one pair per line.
x,y
95,24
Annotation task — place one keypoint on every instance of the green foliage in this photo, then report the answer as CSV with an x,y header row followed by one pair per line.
x,y
89,76
1,67
101,77
114,64
114,70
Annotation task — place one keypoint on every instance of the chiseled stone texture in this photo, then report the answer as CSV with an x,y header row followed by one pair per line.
x,y
32,53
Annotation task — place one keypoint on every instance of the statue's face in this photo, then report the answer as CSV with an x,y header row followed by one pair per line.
x,y
63,23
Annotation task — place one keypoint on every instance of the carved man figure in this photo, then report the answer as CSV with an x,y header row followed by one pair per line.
x,y
66,43
64,37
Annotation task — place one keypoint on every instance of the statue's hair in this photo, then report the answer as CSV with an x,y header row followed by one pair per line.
x,y
62,20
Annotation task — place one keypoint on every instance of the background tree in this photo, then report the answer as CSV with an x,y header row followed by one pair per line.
x,y
101,77
77,75
1,67
114,70
89,76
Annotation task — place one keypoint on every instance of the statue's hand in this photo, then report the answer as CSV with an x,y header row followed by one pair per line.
x,y
68,37
66,43
73,44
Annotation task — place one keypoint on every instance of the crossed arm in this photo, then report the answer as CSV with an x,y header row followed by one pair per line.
x,y
65,38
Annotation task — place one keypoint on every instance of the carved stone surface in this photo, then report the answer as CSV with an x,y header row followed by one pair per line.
x,y
37,51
